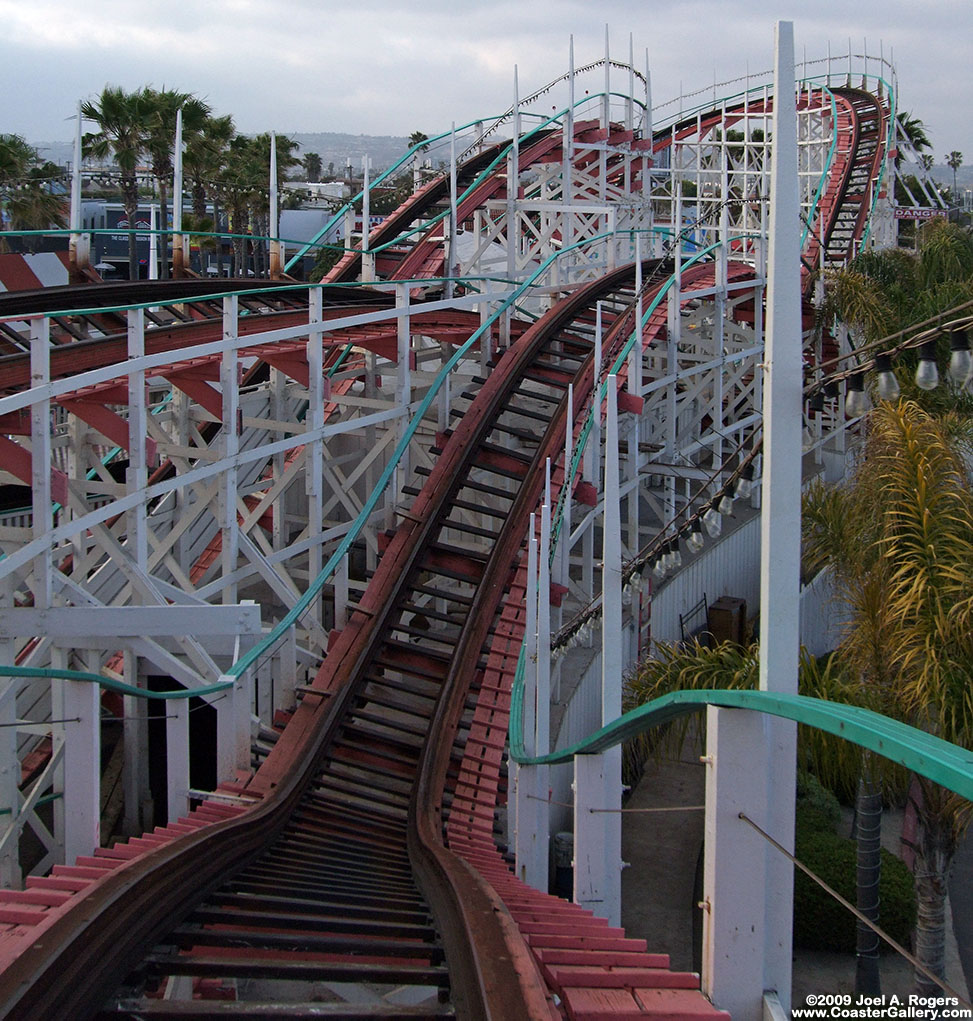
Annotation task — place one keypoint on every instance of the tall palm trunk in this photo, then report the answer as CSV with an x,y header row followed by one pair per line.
x,y
933,859
868,815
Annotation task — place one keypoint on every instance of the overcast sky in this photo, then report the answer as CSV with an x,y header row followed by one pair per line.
x,y
391,67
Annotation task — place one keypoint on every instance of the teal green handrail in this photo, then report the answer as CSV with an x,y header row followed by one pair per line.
x,y
109,683
941,761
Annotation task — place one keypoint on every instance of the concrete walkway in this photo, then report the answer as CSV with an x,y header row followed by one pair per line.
x,y
659,902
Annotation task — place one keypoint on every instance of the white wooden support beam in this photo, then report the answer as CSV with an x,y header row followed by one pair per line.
x,y
780,561
287,678
227,706
403,381
592,460
736,898
567,161
230,388
598,778
341,592
78,244
40,453
314,473
177,758
136,475
564,536
542,719
367,257
274,215
278,404
124,622
10,877
77,729
753,761
597,878
135,733
453,226
530,798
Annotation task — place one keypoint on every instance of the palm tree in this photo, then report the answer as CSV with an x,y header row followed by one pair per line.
x,y
204,157
203,161
17,156
899,537
419,140
122,119
312,166
163,105
927,161
244,185
35,205
954,161
26,198
915,133
915,464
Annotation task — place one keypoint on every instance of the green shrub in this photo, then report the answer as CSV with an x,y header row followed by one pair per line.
x,y
820,922
816,805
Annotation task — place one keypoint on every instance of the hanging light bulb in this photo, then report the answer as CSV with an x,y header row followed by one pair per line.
x,y
744,483
888,384
816,403
960,361
856,400
658,569
675,557
667,556
726,504
712,521
695,539
927,374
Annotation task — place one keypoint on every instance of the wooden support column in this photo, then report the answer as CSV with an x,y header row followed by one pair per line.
x,y
598,778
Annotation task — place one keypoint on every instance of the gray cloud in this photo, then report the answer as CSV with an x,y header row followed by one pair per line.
x,y
385,67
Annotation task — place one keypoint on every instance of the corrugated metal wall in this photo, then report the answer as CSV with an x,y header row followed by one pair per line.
x,y
729,566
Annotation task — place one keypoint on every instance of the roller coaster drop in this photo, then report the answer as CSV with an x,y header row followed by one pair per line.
x,y
373,464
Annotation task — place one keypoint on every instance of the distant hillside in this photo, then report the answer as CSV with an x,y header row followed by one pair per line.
x,y
332,146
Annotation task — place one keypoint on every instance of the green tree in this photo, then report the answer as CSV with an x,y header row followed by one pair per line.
x,y
244,185
419,140
35,205
954,161
927,161
27,198
121,136
900,538
312,166
203,161
17,156
915,133
204,157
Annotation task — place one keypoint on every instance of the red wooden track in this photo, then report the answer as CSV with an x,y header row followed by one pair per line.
x,y
363,848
